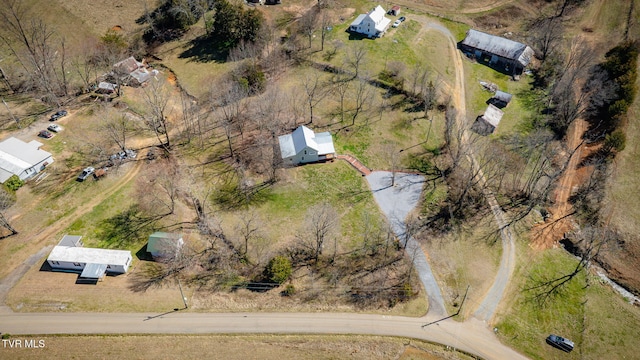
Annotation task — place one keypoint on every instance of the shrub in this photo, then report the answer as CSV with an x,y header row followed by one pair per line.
x,y
278,270
13,183
617,141
290,290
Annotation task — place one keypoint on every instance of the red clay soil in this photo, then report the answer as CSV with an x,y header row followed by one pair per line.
x,y
547,234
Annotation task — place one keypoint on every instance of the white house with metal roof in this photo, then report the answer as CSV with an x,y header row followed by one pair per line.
x,y
304,146
22,159
92,263
497,51
372,24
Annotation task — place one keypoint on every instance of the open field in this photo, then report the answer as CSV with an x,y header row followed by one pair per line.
x,y
584,315
233,347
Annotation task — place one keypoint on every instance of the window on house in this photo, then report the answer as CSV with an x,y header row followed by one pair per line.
x,y
108,266
305,152
76,264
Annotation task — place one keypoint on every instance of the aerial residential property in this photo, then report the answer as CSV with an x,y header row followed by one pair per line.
x,y
258,179
22,159
92,264
304,146
372,24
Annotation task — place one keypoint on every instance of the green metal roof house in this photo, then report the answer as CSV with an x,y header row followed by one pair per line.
x,y
164,245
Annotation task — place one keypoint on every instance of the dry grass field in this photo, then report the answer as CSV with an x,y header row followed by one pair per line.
x,y
263,347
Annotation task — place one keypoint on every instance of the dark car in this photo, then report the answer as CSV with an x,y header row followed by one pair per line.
x,y
560,343
402,18
85,173
58,115
45,134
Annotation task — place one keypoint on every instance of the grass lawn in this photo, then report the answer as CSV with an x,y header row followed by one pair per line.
x,y
285,206
600,322
515,114
468,257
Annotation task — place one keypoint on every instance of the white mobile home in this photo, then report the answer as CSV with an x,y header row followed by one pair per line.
x,y
70,255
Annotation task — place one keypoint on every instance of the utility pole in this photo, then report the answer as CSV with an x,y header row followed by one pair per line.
x,y
450,316
184,298
10,113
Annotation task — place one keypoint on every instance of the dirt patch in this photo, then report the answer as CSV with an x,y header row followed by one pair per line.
x,y
506,18
546,235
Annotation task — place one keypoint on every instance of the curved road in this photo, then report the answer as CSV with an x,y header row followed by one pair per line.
x,y
489,304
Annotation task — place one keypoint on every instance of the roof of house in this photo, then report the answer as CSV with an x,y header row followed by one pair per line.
x,y
302,137
90,255
142,74
103,85
492,115
128,65
500,46
71,240
395,7
358,20
16,156
376,15
161,241
502,96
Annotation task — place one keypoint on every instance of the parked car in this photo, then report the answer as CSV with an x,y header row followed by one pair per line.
x,y
121,155
45,134
396,23
85,173
402,18
560,343
55,128
58,115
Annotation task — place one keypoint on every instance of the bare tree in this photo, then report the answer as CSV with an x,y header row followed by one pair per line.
x,y
156,97
356,58
314,91
117,127
341,87
158,189
324,22
248,229
6,201
322,225
392,153
362,97
589,243
546,35
31,41
308,23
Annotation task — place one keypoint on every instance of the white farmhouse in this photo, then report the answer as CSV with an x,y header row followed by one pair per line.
x,y
372,24
22,159
91,263
304,146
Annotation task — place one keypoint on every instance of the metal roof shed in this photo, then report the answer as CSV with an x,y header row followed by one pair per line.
x,y
498,46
